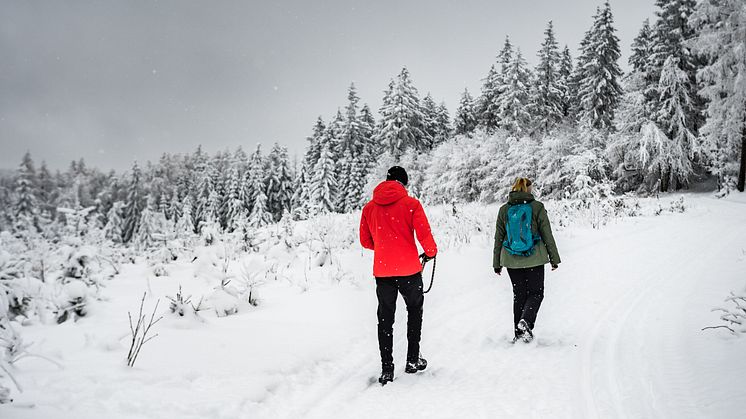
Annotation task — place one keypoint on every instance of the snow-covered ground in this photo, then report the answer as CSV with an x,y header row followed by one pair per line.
x,y
619,335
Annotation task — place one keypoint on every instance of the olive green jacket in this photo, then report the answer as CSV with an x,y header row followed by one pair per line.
x,y
546,249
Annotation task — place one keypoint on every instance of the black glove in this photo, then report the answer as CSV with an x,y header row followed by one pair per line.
x,y
425,258
498,270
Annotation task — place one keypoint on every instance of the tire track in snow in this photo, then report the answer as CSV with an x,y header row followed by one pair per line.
x,y
606,341
314,392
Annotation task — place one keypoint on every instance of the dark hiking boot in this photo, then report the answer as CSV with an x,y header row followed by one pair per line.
x,y
386,377
418,365
526,334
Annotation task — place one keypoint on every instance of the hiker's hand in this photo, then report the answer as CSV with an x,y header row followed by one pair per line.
x,y
498,270
425,258
554,267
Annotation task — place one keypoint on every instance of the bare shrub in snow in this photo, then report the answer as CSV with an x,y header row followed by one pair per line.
x,y
250,281
734,315
182,305
139,331
678,206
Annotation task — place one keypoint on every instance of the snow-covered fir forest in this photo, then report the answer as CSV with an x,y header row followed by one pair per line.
x,y
577,125
594,138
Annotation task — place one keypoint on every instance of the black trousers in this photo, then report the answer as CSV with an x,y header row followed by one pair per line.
x,y
528,292
387,290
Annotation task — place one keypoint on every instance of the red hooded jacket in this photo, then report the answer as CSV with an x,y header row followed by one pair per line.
x,y
387,227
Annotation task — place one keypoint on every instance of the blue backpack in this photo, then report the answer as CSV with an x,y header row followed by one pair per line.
x,y
520,240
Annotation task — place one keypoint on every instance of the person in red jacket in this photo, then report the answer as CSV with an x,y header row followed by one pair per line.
x,y
387,227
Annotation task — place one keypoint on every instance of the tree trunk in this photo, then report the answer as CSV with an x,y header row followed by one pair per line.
x,y
742,171
664,180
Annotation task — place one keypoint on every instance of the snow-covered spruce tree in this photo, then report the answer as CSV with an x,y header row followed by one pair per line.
x,y
354,194
260,215
211,213
333,134
430,121
465,121
301,194
401,124
173,211
115,224
624,151
134,204
254,178
673,118
372,148
627,155
721,31
515,116
386,103
5,207
78,194
342,173
642,49
149,226
313,151
351,142
204,187
548,91
26,191
597,73
245,190
109,191
46,193
670,33
443,127
567,83
241,159
324,182
643,77
218,172
279,182
353,132
487,106
504,58
157,188
233,206
185,225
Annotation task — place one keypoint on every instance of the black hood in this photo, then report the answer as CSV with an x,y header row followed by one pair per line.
x,y
517,197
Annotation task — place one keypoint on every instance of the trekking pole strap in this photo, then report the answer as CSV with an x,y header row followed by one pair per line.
x,y
432,277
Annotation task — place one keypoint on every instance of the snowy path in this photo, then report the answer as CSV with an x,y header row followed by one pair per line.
x,y
618,337
619,334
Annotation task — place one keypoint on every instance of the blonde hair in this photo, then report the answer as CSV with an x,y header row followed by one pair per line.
x,y
521,184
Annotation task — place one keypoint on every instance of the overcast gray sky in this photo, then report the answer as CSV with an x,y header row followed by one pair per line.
x,y
114,81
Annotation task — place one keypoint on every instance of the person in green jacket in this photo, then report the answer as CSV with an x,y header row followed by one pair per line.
x,y
526,268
